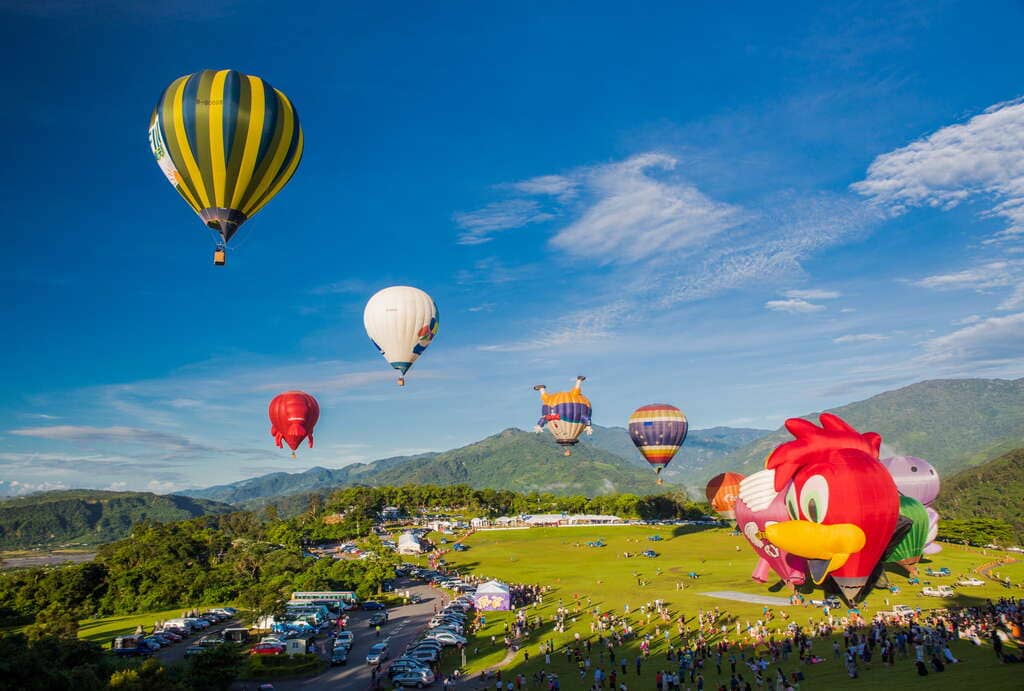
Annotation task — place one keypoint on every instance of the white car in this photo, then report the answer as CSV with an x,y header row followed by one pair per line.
x,y
970,581
447,637
939,591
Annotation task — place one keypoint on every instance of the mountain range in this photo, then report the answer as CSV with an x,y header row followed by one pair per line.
x,y
512,459
91,517
991,490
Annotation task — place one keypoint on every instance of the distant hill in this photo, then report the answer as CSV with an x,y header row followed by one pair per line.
x,y
992,490
701,449
513,459
952,423
90,516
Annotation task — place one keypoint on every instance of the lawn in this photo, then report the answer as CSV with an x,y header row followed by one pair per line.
x,y
560,558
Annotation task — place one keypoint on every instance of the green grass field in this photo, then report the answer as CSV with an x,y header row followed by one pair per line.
x,y
102,630
560,558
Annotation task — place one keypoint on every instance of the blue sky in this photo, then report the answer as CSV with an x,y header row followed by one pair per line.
x,y
752,213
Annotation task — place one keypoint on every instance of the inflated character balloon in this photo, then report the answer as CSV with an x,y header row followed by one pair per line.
x,y
930,545
842,503
658,430
722,493
907,552
293,414
914,477
565,413
228,142
757,506
401,321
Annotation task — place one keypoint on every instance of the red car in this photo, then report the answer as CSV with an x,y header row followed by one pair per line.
x,y
267,649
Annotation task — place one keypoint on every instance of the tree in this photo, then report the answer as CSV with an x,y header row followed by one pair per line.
x,y
149,676
55,621
215,668
262,600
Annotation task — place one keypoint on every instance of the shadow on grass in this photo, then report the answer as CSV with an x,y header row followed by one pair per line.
x,y
681,530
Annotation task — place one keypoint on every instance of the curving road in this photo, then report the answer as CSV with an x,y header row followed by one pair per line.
x,y
404,624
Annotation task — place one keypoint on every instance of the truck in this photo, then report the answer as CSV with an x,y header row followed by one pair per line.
x,y
130,646
938,591
900,611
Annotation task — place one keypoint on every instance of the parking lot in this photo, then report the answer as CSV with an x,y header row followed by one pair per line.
x,y
404,624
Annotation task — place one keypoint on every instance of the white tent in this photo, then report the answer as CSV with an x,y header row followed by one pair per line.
x,y
408,543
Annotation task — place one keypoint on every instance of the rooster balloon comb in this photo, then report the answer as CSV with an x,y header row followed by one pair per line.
x,y
841,503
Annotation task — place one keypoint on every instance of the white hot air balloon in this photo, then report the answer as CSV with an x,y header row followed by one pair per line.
x,y
401,321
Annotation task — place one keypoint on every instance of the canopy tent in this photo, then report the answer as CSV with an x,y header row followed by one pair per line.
x,y
492,595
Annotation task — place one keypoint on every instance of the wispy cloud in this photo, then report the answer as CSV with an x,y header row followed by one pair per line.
x,y
992,341
980,160
85,433
859,338
793,306
14,488
560,186
997,274
485,307
481,225
813,294
492,271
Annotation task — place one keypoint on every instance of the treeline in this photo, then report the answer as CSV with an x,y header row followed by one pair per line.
x,y
213,559
414,499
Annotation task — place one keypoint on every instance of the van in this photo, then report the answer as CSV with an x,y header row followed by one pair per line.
x,y
236,635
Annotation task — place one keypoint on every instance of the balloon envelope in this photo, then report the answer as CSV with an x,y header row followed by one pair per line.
x,y
914,477
401,321
566,414
228,142
722,492
757,488
909,550
293,414
658,430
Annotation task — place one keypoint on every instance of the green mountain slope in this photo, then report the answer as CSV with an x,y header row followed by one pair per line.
x,y
701,449
952,423
91,516
992,490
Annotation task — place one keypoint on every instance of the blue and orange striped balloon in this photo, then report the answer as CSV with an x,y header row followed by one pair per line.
x,y
228,142
565,413
658,430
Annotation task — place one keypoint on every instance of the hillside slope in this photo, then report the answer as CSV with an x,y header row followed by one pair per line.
x,y
953,423
992,490
91,516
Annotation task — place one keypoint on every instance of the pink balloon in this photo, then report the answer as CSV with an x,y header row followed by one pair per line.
x,y
789,567
915,477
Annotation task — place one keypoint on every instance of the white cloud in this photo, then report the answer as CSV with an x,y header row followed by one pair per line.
x,y
981,159
14,488
163,487
86,433
793,306
813,294
575,329
481,225
993,341
485,307
1015,300
969,319
997,274
634,215
553,185
859,338
117,486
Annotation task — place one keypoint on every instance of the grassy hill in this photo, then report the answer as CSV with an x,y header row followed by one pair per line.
x,y
90,516
952,423
992,490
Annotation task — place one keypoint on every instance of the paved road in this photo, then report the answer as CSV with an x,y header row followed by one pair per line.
x,y
405,623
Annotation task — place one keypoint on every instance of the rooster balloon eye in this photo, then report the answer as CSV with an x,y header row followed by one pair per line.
x,y
814,498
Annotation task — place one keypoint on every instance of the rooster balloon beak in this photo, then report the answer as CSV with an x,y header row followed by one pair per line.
x,y
826,547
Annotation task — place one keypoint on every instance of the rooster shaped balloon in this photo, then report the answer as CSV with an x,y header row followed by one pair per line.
x,y
842,504
758,506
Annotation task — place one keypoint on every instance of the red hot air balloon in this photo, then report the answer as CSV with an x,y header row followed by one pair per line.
x,y
293,414
722,493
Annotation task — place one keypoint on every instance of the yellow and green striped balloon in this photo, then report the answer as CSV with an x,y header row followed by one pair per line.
x,y
228,142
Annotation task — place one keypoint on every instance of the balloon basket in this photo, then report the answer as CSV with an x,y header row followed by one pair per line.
x,y
567,452
401,381
219,257
660,481
293,455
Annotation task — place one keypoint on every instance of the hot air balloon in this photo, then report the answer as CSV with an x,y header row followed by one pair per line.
x,y
401,321
293,414
757,505
930,545
658,430
228,142
842,503
566,414
914,477
722,493
909,549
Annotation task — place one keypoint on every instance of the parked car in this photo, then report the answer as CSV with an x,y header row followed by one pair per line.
x,y
938,591
413,677
447,637
193,650
378,619
344,639
970,581
378,653
267,649
649,553
405,663
654,538
373,606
